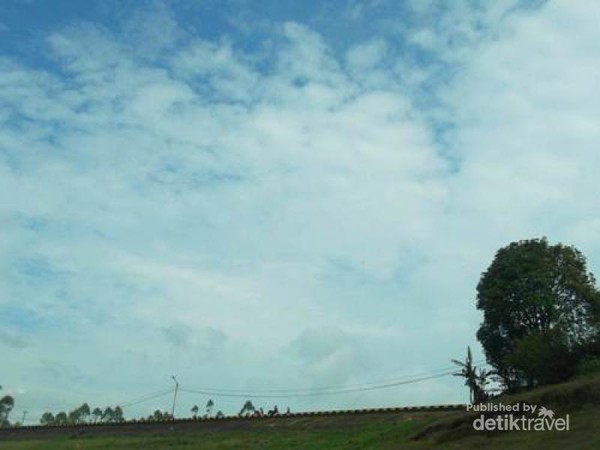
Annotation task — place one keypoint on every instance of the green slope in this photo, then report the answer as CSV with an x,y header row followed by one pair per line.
x,y
580,399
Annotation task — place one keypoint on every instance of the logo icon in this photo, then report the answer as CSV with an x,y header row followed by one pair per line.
x,y
545,413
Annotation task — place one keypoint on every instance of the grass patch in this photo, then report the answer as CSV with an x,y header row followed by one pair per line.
x,y
363,437
580,399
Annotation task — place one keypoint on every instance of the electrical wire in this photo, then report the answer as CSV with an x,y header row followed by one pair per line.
x,y
313,390
298,392
315,394
146,398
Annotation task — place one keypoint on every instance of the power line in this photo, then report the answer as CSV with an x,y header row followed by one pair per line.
x,y
313,390
146,398
315,394
299,392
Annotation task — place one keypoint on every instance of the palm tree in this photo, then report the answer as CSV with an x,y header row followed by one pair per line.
x,y
475,381
195,410
483,379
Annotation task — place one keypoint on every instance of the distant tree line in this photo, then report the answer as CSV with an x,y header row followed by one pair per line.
x,y
84,414
208,411
159,416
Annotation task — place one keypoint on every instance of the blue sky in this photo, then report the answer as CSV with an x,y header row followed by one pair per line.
x,y
277,194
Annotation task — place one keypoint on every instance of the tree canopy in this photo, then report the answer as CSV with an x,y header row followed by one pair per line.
x,y
248,408
7,403
532,292
84,414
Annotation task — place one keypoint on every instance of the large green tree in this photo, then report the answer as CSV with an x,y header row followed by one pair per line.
x,y
533,290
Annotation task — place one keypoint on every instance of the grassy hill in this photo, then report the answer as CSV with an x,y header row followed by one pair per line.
x,y
580,399
412,431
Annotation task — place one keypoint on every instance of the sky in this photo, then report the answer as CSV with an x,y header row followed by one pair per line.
x,y
275,194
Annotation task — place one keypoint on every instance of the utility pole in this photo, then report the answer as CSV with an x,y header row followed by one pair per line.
x,y
23,419
175,395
